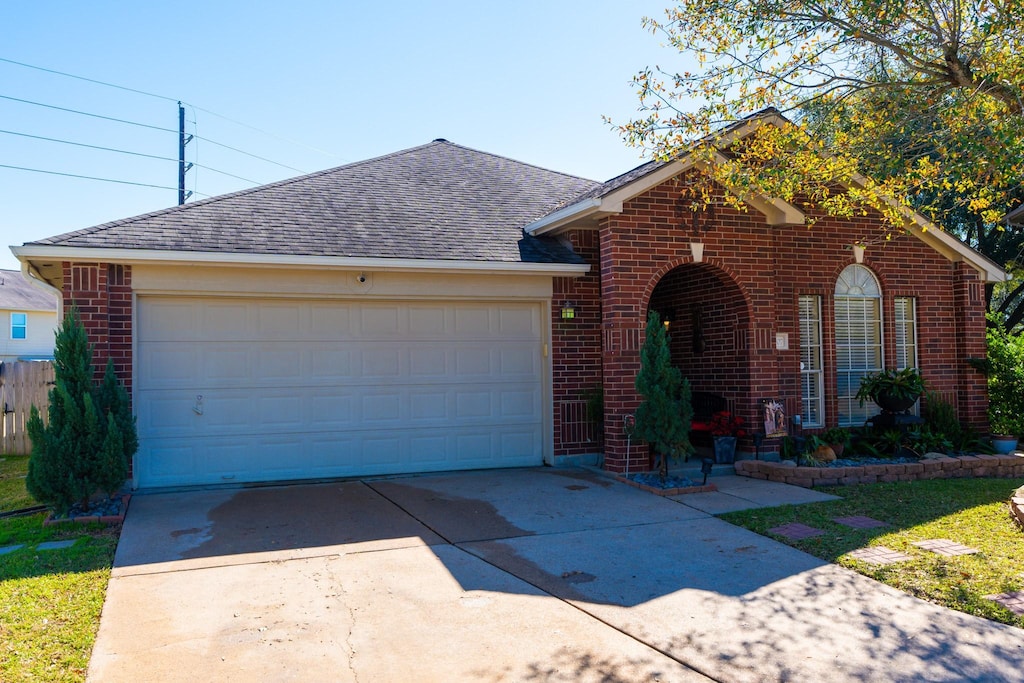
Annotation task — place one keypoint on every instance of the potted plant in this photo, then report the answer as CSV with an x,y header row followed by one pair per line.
x,y
836,438
1004,366
725,429
893,391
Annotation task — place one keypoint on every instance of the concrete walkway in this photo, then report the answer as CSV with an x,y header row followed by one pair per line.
x,y
513,575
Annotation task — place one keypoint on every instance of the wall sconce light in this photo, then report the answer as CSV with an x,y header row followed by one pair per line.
x,y
858,253
668,317
568,311
697,251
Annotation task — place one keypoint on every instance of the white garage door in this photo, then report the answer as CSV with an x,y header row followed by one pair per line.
x,y
241,390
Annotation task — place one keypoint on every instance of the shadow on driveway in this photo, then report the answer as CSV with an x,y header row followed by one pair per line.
x,y
516,574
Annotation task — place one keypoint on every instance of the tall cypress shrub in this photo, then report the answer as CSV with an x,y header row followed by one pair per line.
x,y
83,448
663,417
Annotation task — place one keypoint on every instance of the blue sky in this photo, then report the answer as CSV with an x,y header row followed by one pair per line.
x,y
333,82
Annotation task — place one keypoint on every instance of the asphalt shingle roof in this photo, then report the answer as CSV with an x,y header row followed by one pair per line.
x,y
17,294
439,201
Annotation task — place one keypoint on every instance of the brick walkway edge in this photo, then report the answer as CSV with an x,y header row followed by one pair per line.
x,y
1004,466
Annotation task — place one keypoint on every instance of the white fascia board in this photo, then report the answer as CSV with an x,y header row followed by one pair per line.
x,y
613,201
567,214
943,242
775,211
636,188
31,276
29,253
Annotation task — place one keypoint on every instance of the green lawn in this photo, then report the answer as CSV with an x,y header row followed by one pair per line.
x,y
973,512
50,600
13,495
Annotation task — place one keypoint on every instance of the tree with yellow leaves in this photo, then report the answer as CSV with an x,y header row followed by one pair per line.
x,y
923,97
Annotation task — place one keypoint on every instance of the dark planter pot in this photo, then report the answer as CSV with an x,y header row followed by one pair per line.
x,y
725,449
894,404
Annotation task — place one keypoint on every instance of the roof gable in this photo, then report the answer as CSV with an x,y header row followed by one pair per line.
x,y
18,294
608,198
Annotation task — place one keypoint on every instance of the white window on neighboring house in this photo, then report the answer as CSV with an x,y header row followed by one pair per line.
x,y
858,318
811,376
19,325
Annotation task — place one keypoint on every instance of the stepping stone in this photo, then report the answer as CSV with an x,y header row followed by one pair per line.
x,y
1011,601
55,545
943,547
878,554
859,522
10,548
796,531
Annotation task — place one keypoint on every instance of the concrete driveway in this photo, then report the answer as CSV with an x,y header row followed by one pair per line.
x,y
514,575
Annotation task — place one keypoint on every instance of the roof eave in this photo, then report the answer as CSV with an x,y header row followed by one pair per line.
x,y
34,253
943,242
776,211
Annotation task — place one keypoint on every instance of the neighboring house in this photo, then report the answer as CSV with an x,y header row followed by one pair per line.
x,y
441,308
29,318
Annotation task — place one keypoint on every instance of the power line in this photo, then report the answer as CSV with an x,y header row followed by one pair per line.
x,y
269,134
123,151
89,80
85,113
88,177
249,154
172,99
146,125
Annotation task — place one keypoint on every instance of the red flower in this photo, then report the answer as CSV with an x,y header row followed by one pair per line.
x,y
724,423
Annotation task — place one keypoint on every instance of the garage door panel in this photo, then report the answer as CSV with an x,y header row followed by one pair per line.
x,y
379,321
269,410
427,362
429,322
513,321
517,362
329,322
314,389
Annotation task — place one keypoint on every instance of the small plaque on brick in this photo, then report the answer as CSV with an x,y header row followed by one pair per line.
x,y
859,522
945,547
879,554
796,531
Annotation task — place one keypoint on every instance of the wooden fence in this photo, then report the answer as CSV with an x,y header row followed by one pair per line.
x,y
22,385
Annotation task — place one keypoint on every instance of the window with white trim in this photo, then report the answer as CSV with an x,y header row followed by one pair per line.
x,y
905,314
811,376
19,325
858,318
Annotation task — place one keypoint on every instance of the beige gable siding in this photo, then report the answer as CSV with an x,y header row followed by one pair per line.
x,y
38,342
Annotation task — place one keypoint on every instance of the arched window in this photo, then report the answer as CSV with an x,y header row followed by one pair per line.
x,y
858,318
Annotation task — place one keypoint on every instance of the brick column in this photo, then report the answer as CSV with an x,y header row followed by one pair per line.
x,y
969,335
102,293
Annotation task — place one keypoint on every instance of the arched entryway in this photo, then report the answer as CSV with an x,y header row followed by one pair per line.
x,y
709,327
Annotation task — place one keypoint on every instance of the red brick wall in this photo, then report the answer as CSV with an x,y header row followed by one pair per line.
x,y
747,288
576,351
102,292
717,312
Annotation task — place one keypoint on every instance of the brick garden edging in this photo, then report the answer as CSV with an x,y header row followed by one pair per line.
x,y
1017,506
705,488
1005,466
89,519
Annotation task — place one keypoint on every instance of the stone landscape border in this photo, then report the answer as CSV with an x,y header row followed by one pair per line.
x,y
1017,506
1002,466
679,491
89,519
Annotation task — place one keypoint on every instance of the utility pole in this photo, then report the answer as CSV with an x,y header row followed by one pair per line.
x,y
182,166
